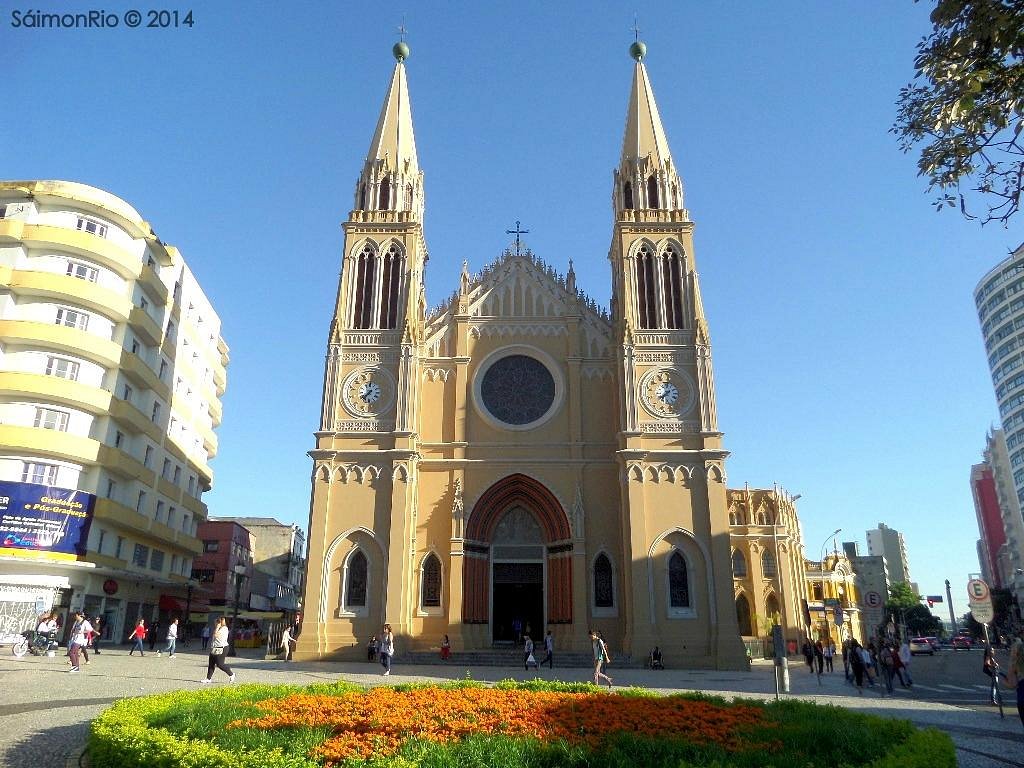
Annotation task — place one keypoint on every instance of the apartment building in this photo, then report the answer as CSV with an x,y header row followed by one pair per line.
x,y
112,369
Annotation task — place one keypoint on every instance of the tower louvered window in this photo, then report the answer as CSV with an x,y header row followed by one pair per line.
x,y
672,284
362,315
385,195
391,286
646,289
627,196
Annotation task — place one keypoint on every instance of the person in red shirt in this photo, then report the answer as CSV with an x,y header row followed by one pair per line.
x,y
137,636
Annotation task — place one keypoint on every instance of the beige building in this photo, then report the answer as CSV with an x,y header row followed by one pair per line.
x,y
834,601
768,567
519,456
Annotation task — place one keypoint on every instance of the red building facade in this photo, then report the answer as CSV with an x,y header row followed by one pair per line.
x,y
226,544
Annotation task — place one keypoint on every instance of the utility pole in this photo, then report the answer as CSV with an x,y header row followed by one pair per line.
x,y
949,602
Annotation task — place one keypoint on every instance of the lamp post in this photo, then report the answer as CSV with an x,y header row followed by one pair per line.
x,y
824,611
239,575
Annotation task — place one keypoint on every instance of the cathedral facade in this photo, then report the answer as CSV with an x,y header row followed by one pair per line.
x,y
519,458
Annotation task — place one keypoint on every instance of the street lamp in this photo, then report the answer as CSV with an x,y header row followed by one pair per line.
x,y
824,544
239,575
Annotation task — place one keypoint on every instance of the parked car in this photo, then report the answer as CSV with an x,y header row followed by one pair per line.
x,y
934,641
962,641
921,645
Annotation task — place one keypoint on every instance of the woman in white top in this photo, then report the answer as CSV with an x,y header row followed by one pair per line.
x,y
79,638
387,649
218,648
172,639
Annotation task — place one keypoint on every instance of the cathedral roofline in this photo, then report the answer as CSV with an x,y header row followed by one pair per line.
x,y
566,282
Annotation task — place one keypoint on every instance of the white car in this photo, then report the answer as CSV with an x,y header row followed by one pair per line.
x,y
921,645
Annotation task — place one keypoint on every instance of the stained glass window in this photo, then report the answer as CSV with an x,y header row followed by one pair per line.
x,y
678,582
518,390
355,596
431,582
603,589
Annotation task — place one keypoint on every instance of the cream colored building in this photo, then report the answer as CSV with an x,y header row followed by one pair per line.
x,y
768,567
832,584
112,368
519,454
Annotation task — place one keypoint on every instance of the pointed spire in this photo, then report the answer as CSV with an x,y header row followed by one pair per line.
x,y
391,179
646,178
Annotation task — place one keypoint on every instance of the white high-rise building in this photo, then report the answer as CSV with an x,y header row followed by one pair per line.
x,y
112,368
888,543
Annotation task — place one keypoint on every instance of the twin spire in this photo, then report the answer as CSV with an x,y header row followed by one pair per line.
x,y
646,178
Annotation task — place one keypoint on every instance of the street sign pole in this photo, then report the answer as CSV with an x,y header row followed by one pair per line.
x,y
949,602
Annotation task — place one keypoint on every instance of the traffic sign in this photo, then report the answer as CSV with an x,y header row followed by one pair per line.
x,y
982,612
977,591
872,600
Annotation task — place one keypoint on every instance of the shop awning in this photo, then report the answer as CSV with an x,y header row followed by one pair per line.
x,y
170,603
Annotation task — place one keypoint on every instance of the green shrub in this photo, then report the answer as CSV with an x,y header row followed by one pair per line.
x,y
186,729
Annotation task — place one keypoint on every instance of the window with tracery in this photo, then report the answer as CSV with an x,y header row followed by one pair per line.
x,y
355,581
604,590
431,582
659,288
678,581
385,195
627,196
769,567
739,564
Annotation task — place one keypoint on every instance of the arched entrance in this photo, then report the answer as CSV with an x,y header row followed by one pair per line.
x,y
518,571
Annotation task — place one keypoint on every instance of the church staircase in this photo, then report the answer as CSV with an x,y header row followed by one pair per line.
x,y
502,657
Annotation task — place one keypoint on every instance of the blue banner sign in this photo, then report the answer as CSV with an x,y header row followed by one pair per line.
x,y
43,521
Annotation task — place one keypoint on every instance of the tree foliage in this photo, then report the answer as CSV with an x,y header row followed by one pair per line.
x,y
902,597
965,106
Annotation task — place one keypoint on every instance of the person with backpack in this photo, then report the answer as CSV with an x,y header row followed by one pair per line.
x,y
808,651
886,660
856,661
528,657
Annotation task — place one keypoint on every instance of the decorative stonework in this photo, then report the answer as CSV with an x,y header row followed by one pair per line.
x,y
669,427
666,358
365,425
369,357
436,374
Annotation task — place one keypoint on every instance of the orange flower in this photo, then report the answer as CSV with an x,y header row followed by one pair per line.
x,y
377,722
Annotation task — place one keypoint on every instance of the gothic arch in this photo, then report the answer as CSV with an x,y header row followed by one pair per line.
x,y
601,560
355,535
739,565
743,615
431,595
518,489
708,587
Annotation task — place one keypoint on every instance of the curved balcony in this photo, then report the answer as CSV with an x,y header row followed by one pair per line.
x,y
75,241
147,530
128,414
53,389
135,368
49,443
50,285
69,340
145,326
152,283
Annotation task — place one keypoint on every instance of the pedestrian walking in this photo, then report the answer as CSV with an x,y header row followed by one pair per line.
x,y
154,635
528,657
886,659
549,650
517,628
856,661
819,656
846,660
205,635
172,639
446,648
387,649
218,648
830,652
286,644
97,634
80,632
903,657
137,636
372,648
601,657
808,651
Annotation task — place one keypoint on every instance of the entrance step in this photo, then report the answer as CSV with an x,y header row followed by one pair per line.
x,y
498,658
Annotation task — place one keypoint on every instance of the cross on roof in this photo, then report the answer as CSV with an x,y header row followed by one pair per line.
x,y
517,232
636,29
401,29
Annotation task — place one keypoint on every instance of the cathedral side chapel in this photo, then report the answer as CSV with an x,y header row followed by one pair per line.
x,y
520,456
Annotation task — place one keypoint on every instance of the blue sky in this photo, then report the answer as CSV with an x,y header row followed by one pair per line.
x,y
847,353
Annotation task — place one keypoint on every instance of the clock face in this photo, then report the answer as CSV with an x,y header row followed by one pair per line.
x,y
667,392
369,392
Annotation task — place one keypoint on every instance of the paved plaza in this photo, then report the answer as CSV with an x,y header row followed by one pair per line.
x,y
46,710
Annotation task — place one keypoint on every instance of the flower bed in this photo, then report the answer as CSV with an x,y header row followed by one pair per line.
x,y
510,725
